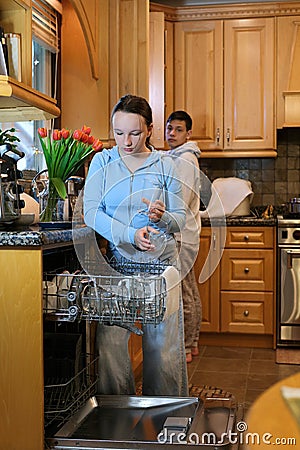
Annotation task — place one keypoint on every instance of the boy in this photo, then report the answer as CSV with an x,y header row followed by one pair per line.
x,y
185,154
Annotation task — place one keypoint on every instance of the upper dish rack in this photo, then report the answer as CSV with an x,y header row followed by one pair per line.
x,y
134,293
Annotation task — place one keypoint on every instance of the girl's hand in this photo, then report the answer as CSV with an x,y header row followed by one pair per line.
x,y
141,238
156,209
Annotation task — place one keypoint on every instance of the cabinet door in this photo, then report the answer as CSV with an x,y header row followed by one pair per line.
x,y
198,75
288,67
209,290
249,84
21,349
136,352
157,76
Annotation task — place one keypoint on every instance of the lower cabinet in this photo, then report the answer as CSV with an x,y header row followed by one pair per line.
x,y
239,296
136,353
209,290
21,350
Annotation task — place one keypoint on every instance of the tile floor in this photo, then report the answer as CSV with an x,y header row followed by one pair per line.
x,y
245,372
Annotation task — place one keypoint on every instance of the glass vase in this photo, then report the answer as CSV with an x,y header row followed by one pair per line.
x,y
52,206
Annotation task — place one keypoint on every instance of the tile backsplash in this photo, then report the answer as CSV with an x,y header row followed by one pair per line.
x,y
274,180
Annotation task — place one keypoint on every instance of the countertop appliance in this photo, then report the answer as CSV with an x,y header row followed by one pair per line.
x,y
288,280
10,202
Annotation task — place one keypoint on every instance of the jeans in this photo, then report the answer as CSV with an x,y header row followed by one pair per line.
x,y
164,365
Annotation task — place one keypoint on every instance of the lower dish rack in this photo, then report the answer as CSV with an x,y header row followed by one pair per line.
x,y
137,295
64,397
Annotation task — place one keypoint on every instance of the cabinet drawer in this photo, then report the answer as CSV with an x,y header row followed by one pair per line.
x,y
247,312
241,237
249,271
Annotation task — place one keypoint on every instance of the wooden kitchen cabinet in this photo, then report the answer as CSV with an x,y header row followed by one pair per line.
x,y
18,100
209,291
21,350
239,298
288,67
247,281
136,353
198,78
224,76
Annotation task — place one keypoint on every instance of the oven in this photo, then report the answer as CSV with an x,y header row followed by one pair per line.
x,y
288,281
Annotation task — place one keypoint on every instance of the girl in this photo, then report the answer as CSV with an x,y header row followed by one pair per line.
x,y
131,193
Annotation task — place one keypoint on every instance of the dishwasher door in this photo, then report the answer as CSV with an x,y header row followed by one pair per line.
x,y
129,422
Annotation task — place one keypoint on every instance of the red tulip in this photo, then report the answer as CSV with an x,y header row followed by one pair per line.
x,y
43,132
91,140
77,135
84,138
97,145
65,133
86,130
56,135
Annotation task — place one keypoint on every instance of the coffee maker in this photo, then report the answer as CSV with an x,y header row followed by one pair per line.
x,y
10,202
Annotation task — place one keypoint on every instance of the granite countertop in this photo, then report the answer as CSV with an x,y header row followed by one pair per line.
x,y
240,221
35,236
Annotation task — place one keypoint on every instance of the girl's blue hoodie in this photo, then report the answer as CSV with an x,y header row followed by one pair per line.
x,y
113,194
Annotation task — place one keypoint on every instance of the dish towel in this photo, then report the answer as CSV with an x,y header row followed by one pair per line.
x,y
173,286
226,195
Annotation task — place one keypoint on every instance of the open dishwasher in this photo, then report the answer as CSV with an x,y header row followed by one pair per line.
x,y
76,417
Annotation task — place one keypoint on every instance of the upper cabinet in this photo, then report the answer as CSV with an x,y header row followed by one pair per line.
x,y
18,100
288,71
224,77
236,69
198,78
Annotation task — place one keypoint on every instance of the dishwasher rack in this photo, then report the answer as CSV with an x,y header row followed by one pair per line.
x,y
132,293
63,397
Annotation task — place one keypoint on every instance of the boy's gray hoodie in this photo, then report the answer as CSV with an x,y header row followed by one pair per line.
x,y
186,158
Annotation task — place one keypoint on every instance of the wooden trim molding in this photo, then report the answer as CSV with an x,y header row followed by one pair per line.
x,y
227,11
88,13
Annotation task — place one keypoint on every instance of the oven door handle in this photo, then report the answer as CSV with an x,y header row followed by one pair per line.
x,y
291,254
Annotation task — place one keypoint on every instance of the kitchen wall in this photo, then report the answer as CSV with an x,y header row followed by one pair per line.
x,y
274,181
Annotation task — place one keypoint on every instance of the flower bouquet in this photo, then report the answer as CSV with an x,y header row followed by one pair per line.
x,y
65,152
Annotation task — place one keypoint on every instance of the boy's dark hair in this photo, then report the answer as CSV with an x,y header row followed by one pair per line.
x,y
181,115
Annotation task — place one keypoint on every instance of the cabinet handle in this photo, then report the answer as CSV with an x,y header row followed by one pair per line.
x,y
228,136
246,313
246,270
214,241
246,238
218,136
290,255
